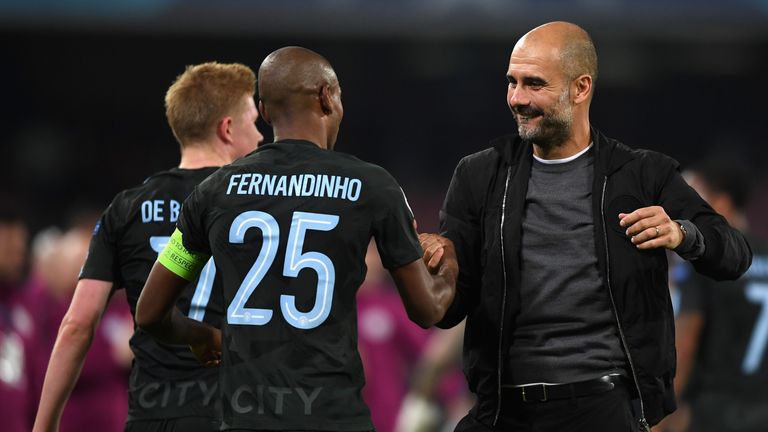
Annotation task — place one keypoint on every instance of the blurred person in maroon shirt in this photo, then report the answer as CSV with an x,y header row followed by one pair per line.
x,y
99,400
390,346
388,341
16,386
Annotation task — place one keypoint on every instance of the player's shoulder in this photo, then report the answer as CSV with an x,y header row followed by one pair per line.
x,y
322,160
175,182
368,172
222,176
176,176
172,183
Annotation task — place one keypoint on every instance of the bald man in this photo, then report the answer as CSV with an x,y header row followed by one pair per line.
x,y
561,235
288,227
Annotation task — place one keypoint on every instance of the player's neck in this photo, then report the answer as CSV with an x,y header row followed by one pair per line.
x,y
201,156
315,138
301,127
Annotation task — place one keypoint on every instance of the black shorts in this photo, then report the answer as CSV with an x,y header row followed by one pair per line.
x,y
182,424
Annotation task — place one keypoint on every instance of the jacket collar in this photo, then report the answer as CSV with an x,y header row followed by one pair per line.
x,y
609,153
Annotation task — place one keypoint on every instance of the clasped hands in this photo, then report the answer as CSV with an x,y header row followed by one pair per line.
x,y
439,254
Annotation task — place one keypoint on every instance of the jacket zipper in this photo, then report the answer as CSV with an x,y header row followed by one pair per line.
x,y
645,427
503,298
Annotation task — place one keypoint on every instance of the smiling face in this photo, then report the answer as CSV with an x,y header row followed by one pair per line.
x,y
539,95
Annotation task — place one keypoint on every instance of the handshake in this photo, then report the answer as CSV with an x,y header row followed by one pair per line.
x,y
439,255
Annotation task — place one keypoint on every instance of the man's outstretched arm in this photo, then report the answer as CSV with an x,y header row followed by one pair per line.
x,y
156,311
157,314
68,355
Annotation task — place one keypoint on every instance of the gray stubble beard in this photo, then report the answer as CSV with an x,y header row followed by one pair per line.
x,y
557,124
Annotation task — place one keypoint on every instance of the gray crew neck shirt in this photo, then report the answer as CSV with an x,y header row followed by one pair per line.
x,y
566,330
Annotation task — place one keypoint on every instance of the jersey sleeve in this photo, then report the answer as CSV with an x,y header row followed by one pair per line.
x,y
191,224
101,262
393,227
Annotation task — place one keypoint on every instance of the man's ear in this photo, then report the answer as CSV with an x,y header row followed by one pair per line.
x,y
223,131
326,99
583,88
264,114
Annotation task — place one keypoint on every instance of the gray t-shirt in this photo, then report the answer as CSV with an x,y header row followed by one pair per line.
x,y
566,330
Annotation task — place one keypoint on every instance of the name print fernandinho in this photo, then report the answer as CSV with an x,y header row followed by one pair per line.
x,y
299,185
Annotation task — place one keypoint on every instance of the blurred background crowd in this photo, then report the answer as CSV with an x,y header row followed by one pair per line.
x,y
82,85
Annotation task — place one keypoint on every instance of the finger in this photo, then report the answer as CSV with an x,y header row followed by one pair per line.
x,y
650,221
627,219
645,235
651,244
428,249
433,248
434,261
426,239
644,224
665,237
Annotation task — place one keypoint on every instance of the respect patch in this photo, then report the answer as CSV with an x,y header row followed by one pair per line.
x,y
180,261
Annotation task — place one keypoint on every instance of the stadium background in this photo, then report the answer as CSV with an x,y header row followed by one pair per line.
x,y
82,82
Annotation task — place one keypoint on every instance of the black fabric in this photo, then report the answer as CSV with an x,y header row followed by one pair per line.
x,y
272,365
692,246
535,393
166,381
488,284
606,411
187,424
730,362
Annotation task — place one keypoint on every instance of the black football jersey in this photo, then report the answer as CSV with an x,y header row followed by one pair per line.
x,y
731,360
288,227
166,381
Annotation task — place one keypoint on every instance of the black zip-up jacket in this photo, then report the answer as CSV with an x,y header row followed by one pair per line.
x,y
482,215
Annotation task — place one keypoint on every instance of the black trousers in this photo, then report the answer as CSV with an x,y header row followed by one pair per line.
x,y
603,412
182,424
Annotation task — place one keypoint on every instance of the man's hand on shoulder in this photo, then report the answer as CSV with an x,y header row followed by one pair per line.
x,y
651,228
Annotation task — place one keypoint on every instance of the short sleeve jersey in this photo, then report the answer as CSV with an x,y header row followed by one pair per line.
x,y
732,351
166,380
288,227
